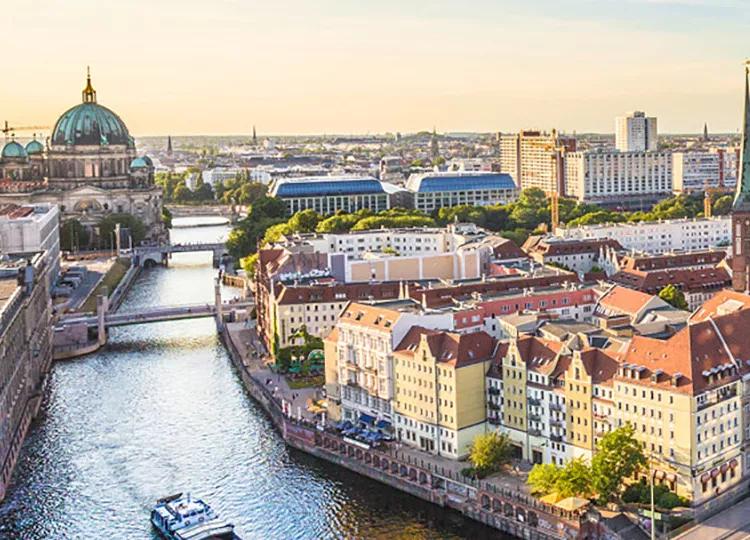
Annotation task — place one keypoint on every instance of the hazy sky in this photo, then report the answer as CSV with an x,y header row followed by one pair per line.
x,y
292,66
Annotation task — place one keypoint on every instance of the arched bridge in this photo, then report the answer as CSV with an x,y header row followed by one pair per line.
x,y
156,314
160,254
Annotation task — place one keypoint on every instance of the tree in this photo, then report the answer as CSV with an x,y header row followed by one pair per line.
x,y
543,478
166,217
304,221
574,479
489,452
73,235
270,207
127,221
674,296
619,455
722,205
337,223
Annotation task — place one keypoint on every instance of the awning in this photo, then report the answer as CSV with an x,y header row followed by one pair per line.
x,y
366,418
705,477
383,424
659,475
724,468
733,463
714,473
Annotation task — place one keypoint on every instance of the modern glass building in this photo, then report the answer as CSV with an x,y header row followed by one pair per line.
x,y
329,194
437,190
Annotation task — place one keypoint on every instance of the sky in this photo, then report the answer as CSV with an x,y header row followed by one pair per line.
x,y
361,66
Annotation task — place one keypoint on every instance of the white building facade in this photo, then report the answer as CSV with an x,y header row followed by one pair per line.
x,y
659,236
636,132
611,176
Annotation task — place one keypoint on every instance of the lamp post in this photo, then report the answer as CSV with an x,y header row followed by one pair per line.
x,y
651,480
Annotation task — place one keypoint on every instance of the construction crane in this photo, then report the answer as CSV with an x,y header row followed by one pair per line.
x,y
13,129
555,210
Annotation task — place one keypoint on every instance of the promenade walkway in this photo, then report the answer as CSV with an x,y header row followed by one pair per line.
x,y
247,343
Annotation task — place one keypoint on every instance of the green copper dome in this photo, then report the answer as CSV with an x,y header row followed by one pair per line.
x,y
138,163
34,147
14,150
90,124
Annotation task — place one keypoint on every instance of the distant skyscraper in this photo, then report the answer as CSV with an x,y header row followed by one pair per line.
x,y
705,132
169,145
255,137
741,206
535,159
636,132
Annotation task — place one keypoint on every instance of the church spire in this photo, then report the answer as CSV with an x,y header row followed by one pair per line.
x,y
88,94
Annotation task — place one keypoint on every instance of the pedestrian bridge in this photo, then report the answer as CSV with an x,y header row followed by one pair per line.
x,y
152,315
160,254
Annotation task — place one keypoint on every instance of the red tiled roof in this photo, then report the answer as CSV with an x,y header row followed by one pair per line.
x,y
625,300
675,260
696,349
685,279
458,350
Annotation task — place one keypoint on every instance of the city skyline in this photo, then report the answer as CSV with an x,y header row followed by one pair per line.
x,y
193,68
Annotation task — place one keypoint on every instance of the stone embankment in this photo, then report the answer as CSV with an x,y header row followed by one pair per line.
x,y
423,476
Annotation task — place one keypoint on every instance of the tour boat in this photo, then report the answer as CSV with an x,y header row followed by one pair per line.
x,y
184,518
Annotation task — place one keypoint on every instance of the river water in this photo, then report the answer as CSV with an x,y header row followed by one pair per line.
x,y
161,410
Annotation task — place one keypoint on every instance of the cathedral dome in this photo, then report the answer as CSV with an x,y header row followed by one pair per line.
x,y
138,163
14,150
34,147
90,124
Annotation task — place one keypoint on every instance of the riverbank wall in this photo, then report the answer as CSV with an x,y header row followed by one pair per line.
x,y
509,511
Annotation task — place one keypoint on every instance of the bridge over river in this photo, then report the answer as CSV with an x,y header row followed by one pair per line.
x,y
160,254
155,314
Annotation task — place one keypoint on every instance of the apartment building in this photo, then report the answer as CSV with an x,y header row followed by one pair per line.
x,y
535,159
29,229
26,353
439,378
359,364
684,397
436,190
696,171
574,255
636,132
658,236
698,285
555,398
618,178
317,306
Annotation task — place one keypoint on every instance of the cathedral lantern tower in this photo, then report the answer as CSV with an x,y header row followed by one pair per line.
x,y
741,205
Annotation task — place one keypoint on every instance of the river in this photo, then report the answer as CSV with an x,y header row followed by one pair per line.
x,y
161,410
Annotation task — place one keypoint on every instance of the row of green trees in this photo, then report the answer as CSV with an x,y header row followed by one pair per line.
x,y
74,236
530,213
238,190
619,457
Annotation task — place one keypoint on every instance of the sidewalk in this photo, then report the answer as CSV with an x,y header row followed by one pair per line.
x,y
723,525
247,343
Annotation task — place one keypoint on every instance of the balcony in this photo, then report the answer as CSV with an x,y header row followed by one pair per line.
x,y
556,422
720,395
494,421
535,418
534,402
493,406
555,407
535,432
493,391
556,438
